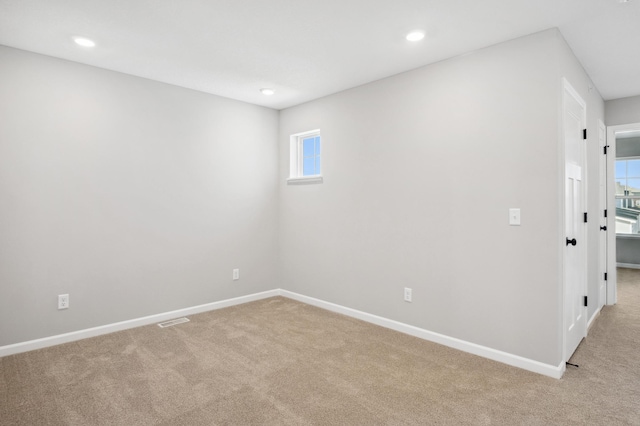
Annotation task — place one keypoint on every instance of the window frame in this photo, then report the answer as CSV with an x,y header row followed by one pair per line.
x,y
296,159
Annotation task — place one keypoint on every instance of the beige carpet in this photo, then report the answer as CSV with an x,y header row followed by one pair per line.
x,y
280,362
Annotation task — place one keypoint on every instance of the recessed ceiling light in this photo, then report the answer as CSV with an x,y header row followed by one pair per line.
x,y
267,92
415,35
84,42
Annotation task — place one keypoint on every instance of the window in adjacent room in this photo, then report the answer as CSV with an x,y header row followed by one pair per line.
x,y
628,196
306,157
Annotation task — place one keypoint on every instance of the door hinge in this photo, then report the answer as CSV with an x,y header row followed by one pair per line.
x,y
605,149
585,217
585,301
605,212
584,133
605,276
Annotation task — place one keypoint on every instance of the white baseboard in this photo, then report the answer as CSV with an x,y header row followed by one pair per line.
x,y
125,325
462,345
595,315
628,265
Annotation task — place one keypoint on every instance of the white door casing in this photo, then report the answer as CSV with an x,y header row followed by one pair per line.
x,y
602,219
575,289
612,272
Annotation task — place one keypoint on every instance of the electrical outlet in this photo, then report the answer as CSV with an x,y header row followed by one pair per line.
x,y
236,274
63,301
407,294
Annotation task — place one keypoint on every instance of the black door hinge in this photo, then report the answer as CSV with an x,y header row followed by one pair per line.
x,y
605,213
605,276
584,133
585,301
585,217
605,149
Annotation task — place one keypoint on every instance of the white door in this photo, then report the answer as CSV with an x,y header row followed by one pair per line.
x,y
575,318
602,217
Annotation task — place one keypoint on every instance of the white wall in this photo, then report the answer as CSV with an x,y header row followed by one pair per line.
x,y
623,111
116,188
420,170
135,197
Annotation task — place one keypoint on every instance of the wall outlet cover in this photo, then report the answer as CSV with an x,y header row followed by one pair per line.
x,y
407,294
63,301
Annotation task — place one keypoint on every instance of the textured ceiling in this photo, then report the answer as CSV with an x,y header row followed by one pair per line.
x,y
306,49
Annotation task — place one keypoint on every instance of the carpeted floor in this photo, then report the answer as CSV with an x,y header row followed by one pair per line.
x,y
280,362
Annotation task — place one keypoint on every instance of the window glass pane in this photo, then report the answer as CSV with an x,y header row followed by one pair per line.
x,y
308,167
633,168
633,186
621,168
318,146
621,185
308,147
318,165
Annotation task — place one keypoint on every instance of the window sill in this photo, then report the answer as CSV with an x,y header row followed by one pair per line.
x,y
304,180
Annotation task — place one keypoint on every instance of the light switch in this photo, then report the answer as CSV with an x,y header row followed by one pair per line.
x,y
514,217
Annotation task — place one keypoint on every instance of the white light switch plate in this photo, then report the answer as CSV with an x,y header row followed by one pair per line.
x,y
514,217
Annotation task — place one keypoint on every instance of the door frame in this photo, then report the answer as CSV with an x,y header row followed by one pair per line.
x,y
612,276
603,220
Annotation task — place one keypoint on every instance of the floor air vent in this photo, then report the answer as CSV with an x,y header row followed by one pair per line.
x,y
173,322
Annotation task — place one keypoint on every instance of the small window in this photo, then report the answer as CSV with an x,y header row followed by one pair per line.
x,y
306,157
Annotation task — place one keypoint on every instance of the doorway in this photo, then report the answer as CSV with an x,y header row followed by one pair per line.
x,y
623,199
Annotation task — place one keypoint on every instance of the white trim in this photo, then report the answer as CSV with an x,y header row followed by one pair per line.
x,y
462,345
304,180
627,265
611,293
602,220
306,133
595,315
569,88
125,325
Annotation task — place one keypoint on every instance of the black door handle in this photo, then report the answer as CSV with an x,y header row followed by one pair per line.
x,y
603,228
573,242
